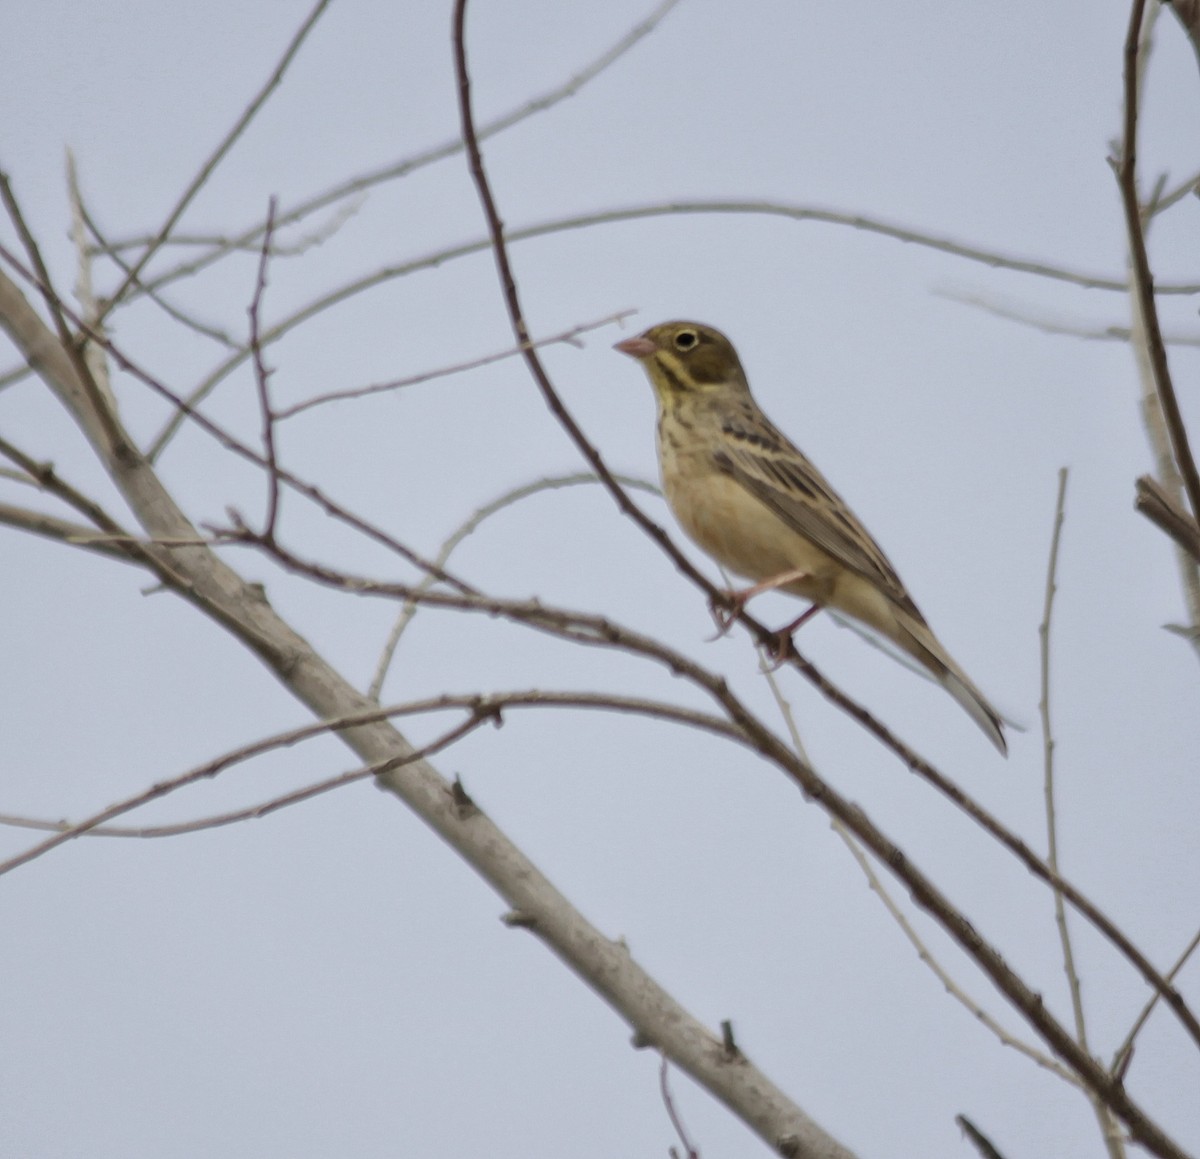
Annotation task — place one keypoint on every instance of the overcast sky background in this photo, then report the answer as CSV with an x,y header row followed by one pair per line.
x,y
332,979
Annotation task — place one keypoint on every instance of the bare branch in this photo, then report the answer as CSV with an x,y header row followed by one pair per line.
x,y
880,890
635,213
569,336
356,187
664,1086
1155,504
587,628
218,155
63,531
1143,279
210,769
467,528
488,705
1124,1053
261,377
1108,1125
92,353
1037,321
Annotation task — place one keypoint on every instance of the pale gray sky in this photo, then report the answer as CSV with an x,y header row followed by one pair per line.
x,y
332,980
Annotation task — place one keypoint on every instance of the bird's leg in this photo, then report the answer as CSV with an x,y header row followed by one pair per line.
x,y
738,598
782,646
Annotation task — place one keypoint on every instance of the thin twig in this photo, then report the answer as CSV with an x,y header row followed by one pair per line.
x,y
101,247
664,1088
356,187
489,705
211,769
103,414
225,439
467,528
569,336
218,155
262,376
880,890
1123,1053
634,213
1108,1124
1026,317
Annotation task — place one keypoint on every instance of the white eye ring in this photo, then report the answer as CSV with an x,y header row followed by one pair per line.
x,y
686,339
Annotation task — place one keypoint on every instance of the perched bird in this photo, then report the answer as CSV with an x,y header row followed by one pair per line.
x,y
754,503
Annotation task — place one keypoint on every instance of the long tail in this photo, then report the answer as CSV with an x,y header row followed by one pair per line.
x,y
916,638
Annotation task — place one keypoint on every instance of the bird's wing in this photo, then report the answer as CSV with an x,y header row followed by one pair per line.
x,y
760,458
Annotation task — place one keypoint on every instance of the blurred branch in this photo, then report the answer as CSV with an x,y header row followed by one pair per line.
x,y
979,1140
1188,12
1037,321
1155,504
1162,201
63,531
92,352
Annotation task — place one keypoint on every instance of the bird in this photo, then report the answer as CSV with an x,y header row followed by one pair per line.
x,y
750,499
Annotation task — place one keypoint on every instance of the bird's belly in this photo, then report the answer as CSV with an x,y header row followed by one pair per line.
x,y
743,535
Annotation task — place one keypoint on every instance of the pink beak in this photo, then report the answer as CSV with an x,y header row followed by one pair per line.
x,y
636,347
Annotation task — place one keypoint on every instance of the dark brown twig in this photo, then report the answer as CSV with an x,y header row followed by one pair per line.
x,y
1143,278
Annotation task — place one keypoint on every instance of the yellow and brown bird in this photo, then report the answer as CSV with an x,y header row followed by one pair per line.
x,y
754,503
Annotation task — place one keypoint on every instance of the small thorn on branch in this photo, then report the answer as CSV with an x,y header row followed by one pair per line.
x,y
464,806
517,919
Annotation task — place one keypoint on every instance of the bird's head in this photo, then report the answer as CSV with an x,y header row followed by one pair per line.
x,y
686,357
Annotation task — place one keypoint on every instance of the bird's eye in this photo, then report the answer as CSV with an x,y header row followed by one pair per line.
x,y
686,339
